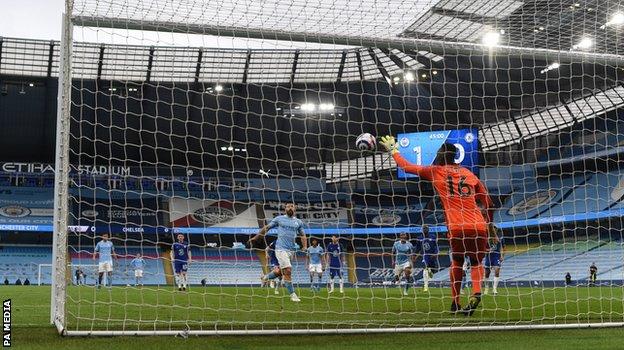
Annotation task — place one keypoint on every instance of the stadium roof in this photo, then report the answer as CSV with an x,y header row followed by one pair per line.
x,y
546,120
38,58
510,99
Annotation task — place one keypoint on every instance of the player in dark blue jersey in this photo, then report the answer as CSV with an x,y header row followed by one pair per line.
x,y
335,257
181,258
493,260
273,267
428,248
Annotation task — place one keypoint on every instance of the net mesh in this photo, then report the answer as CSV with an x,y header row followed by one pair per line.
x,y
182,131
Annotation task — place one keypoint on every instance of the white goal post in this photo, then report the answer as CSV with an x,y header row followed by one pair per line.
x,y
169,93
39,275
61,176
43,269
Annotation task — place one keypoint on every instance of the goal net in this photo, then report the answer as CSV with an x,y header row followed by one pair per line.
x,y
197,122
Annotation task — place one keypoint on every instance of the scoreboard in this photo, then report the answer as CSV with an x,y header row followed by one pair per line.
x,y
421,148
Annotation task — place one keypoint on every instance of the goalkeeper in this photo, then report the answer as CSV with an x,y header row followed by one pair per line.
x,y
460,192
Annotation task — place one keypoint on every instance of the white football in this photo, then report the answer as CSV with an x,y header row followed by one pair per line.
x,y
366,142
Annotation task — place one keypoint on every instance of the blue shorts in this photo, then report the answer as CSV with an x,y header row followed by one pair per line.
x,y
334,272
492,261
274,263
180,266
430,261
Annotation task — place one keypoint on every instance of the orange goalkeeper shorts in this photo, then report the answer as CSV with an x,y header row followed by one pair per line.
x,y
469,246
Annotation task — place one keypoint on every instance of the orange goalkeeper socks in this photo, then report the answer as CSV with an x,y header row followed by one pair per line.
x,y
476,274
456,278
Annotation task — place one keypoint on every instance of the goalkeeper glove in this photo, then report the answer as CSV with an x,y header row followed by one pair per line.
x,y
389,144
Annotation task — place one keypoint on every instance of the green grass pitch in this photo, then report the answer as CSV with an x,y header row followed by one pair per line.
x,y
234,308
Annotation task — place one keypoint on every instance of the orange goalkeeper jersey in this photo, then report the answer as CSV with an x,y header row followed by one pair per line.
x,y
459,190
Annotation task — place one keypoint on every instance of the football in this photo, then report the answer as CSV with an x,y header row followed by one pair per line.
x,y
366,142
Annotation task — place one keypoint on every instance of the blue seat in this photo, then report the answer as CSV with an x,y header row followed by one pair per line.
x,y
30,182
148,185
47,182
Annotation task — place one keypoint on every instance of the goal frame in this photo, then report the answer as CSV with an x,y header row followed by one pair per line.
x,y
449,47
61,176
62,166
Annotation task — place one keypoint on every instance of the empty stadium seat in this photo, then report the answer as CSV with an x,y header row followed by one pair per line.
x,y
552,261
23,262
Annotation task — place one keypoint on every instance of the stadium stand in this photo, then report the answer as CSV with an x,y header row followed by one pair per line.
x,y
587,139
23,262
235,267
538,197
219,266
550,263
525,194
124,274
608,258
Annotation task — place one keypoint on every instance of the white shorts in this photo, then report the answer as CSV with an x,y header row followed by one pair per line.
x,y
318,268
138,273
105,266
283,258
400,267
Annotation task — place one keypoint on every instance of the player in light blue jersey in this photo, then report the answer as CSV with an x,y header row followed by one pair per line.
x,y
181,258
138,264
316,265
493,260
428,247
105,251
288,228
335,257
403,254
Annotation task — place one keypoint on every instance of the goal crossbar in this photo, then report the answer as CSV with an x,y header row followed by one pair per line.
x,y
449,47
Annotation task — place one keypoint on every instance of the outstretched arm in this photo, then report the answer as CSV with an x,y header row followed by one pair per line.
x,y
261,234
425,172
391,146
